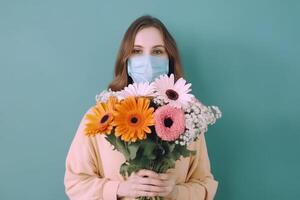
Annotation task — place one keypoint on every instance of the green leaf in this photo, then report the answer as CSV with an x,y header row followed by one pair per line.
x,y
175,154
127,168
185,152
143,162
180,150
149,152
133,168
133,148
111,138
120,145
124,169
169,147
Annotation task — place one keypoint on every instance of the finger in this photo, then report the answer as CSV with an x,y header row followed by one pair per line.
x,y
148,173
150,181
150,188
137,193
133,174
166,191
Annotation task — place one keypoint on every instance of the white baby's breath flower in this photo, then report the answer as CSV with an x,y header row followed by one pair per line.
x,y
158,101
105,94
197,110
197,118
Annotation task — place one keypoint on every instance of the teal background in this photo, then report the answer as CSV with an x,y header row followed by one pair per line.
x,y
242,56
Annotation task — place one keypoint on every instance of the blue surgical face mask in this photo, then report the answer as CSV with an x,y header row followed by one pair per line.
x,y
145,68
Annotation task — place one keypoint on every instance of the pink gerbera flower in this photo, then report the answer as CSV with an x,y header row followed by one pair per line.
x,y
174,93
169,122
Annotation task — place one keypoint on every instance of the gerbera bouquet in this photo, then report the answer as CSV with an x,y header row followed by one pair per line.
x,y
151,124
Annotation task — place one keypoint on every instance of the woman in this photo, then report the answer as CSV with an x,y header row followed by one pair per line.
x,y
92,166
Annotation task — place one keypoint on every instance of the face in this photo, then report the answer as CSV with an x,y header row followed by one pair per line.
x,y
149,41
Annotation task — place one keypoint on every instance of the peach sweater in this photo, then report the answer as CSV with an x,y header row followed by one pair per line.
x,y
92,170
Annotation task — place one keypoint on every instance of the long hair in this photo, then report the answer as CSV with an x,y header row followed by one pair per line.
x,y
121,77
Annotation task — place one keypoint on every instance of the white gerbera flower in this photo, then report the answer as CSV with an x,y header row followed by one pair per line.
x,y
176,94
137,89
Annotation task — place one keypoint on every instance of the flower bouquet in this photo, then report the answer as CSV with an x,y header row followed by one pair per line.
x,y
151,124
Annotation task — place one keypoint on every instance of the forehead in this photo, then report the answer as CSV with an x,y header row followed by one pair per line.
x,y
148,37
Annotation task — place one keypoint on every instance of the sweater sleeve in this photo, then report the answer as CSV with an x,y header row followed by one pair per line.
x,y
200,184
83,179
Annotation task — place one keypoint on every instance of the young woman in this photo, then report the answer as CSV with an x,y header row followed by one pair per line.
x,y
92,166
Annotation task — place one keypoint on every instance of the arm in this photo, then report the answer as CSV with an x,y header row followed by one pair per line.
x,y
200,182
83,179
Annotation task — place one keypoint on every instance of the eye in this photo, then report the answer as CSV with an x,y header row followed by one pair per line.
x,y
157,52
136,51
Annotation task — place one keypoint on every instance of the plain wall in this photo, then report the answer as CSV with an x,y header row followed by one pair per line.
x,y
242,56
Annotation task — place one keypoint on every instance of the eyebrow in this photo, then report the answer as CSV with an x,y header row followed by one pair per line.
x,y
159,45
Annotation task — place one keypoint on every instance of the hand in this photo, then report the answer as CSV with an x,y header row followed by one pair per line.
x,y
170,191
144,183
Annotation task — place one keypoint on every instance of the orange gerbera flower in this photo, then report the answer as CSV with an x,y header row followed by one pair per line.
x,y
101,118
132,118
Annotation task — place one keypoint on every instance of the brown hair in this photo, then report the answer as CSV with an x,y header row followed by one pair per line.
x,y
121,78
